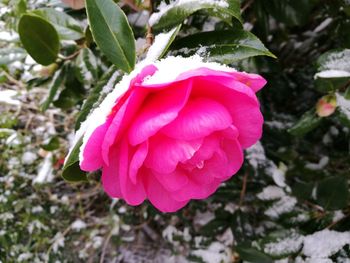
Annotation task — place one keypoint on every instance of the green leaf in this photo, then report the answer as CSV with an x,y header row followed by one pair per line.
x,y
86,67
71,170
52,144
222,46
112,32
161,44
309,121
111,77
54,85
9,55
67,27
39,38
333,193
250,254
176,13
333,70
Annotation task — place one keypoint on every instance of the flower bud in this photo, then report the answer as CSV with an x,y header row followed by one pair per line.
x,y
326,106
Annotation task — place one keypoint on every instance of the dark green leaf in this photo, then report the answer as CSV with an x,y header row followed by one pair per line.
x,y
222,46
66,26
162,48
86,67
39,38
250,254
54,85
111,77
112,32
309,121
179,11
52,144
333,193
71,170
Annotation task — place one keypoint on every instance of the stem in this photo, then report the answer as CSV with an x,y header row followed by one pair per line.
x,y
244,188
149,34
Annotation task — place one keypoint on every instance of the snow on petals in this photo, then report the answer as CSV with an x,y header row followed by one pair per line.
x,y
172,131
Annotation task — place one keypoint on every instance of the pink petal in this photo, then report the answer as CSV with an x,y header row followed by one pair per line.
x,y
199,118
110,176
92,158
254,81
160,109
240,101
234,154
125,109
195,190
165,153
173,181
160,197
137,161
133,194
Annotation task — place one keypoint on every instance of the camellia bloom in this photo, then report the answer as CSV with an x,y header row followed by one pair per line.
x,y
75,4
172,131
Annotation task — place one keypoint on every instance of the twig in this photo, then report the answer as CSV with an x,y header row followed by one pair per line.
x,y
337,221
13,80
149,34
104,249
244,188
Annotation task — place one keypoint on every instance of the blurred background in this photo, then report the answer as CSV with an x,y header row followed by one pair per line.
x,y
289,202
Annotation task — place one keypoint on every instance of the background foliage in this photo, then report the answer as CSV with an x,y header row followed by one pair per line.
x,y
290,201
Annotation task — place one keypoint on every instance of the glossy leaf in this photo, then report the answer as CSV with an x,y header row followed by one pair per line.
x,y
54,85
86,67
112,33
250,254
309,121
39,38
110,78
333,193
71,170
176,13
222,46
67,27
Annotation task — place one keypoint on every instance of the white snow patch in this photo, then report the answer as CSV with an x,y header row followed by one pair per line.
x,y
215,253
271,192
45,171
7,97
163,7
282,206
78,225
160,43
171,67
344,105
284,246
29,158
325,243
332,73
318,166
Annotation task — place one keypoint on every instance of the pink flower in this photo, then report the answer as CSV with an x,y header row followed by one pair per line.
x,y
75,4
173,132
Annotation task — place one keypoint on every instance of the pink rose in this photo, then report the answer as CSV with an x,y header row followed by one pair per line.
x,y
75,4
173,132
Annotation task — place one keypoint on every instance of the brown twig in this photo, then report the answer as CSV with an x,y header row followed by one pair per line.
x,y
244,188
104,249
149,34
